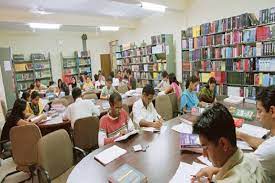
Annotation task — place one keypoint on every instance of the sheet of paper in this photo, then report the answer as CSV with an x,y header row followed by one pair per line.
x,y
137,147
205,160
185,172
152,129
124,137
183,128
253,130
110,154
185,121
244,146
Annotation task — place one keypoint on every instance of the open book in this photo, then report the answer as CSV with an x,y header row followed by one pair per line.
x,y
110,154
252,130
124,137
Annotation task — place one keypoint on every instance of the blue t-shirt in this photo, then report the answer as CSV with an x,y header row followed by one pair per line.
x,y
188,100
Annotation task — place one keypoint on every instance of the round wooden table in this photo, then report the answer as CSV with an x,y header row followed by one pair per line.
x,y
159,163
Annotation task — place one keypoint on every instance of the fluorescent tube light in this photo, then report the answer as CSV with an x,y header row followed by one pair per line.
x,y
153,7
44,26
109,28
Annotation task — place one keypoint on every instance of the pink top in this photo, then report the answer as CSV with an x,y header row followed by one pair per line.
x,y
176,89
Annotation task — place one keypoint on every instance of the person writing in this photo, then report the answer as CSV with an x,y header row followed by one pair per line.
x,y
114,124
35,107
207,93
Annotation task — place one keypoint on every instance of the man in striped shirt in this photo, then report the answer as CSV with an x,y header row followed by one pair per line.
x,y
115,123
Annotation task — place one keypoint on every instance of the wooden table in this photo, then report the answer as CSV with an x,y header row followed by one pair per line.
x,y
159,163
54,124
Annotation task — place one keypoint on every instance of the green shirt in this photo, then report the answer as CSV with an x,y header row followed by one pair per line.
x,y
206,95
107,92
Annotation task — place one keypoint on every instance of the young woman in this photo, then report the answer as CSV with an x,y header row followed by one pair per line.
x,y
207,93
18,117
189,98
35,107
174,86
73,82
88,84
26,96
164,84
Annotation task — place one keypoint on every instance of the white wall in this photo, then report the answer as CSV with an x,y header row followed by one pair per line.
x,y
55,42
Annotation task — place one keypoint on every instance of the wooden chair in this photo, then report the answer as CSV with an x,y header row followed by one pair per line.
x,y
69,99
164,107
175,104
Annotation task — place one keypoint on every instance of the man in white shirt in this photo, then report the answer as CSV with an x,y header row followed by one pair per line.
x,y
164,84
80,108
144,112
265,149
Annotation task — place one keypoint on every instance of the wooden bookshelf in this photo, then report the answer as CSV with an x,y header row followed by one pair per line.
x,y
147,61
241,46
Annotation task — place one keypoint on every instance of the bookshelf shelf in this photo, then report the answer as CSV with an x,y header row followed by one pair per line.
x,y
25,80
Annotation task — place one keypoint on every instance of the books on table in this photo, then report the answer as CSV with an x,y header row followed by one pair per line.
x,y
190,142
152,129
110,154
127,174
234,100
252,130
183,128
244,146
124,137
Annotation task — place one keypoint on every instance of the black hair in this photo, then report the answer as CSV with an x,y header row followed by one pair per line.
x,y
215,123
76,93
148,90
59,81
81,78
112,74
164,74
34,94
25,95
109,79
192,79
173,79
65,89
115,97
267,97
211,80
37,80
128,71
96,77
51,83
74,84
31,86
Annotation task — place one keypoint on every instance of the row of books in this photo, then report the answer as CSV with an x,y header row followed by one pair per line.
x,y
267,49
37,56
84,61
159,39
85,69
69,63
41,65
262,33
222,25
141,51
24,76
261,79
240,65
23,67
265,64
267,15
150,67
18,57
42,74
147,75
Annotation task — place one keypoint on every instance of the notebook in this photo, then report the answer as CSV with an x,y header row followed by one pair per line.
x,y
253,130
127,174
124,137
110,154
183,128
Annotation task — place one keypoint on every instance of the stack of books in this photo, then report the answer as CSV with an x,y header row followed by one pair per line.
x,y
190,142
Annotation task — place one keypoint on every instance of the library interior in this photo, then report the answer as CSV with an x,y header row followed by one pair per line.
x,y
102,91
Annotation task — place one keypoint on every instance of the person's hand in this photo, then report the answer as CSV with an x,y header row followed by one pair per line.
x,y
239,135
157,124
123,132
207,172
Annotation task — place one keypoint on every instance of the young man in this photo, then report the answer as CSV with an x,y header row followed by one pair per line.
x,y
107,90
144,112
80,108
38,86
132,82
265,149
164,84
217,135
114,124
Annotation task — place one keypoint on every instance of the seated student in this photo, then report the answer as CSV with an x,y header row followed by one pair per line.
x,y
132,82
26,96
39,86
73,83
174,86
88,85
107,90
82,80
207,93
189,98
217,134
265,149
31,88
101,78
80,108
116,80
35,107
65,91
18,117
114,124
144,112
164,84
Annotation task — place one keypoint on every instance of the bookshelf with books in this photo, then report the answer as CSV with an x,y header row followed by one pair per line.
x,y
148,61
84,63
70,67
239,51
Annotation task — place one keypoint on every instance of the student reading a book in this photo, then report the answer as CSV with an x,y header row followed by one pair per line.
x,y
144,112
38,86
189,98
26,96
114,124
217,134
35,107
174,86
265,151
207,93
80,108
132,82
88,85
101,78
18,117
107,90
164,84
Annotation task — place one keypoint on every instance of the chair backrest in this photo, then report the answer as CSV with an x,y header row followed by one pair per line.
x,y
126,108
24,141
164,107
137,127
55,153
122,89
90,96
85,133
62,101
174,102
69,99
